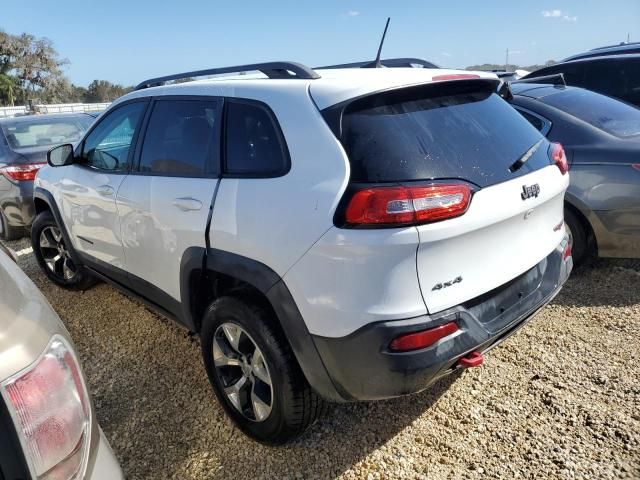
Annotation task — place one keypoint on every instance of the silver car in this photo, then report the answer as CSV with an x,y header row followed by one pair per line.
x,y
48,427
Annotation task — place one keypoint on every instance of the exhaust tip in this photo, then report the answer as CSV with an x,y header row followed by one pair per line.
x,y
473,359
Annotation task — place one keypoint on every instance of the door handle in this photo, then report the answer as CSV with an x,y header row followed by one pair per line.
x,y
105,190
187,204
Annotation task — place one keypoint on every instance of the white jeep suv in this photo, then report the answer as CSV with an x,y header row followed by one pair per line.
x,y
339,234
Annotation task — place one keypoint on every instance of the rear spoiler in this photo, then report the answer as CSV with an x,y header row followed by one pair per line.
x,y
333,114
555,79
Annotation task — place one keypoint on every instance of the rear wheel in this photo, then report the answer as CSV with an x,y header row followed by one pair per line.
x,y
254,373
53,256
9,232
578,236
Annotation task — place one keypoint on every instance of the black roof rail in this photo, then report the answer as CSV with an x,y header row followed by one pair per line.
x,y
555,79
270,69
389,63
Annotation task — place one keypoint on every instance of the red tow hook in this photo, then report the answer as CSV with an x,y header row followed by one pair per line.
x,y
474,359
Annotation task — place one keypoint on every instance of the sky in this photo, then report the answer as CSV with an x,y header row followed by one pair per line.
x,y
128,41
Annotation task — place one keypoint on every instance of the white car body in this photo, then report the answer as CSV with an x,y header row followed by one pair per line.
x,y
342,280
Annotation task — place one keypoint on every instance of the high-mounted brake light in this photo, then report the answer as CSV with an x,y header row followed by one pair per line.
x,y
557,155
400,205
454,76
422,339
50,408
25,171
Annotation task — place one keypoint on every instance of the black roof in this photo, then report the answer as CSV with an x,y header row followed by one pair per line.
x,y
621,48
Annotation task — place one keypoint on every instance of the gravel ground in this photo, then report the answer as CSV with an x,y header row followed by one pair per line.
x,y
560,399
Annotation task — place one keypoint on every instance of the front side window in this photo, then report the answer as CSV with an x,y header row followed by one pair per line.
x,y
107,146
254,144
182,138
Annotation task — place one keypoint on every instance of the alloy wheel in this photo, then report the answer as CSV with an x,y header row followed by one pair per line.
x,y
55,254
243,372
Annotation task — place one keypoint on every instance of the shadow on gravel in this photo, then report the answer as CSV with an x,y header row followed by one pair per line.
x,y
359,429
604,283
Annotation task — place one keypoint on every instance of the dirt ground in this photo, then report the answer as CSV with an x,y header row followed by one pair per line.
x,y
560,399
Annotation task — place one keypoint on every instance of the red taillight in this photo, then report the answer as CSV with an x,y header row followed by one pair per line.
x,y
567,251
557,155
454,76
51,410
25,171
636,166
407,205
423,339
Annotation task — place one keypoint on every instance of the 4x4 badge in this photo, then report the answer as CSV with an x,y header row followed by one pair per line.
x,y
440,286
530,191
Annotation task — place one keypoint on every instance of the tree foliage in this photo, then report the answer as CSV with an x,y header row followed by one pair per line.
x,y
32,69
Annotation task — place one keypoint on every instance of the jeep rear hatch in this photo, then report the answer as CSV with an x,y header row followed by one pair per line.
x,y
475,178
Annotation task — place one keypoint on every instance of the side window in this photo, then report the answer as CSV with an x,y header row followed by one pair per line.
x,y
254,143
182,138
620,79
533,120
107,146
573,73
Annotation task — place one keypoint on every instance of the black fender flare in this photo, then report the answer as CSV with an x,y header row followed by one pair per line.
x,y
46,196
273,287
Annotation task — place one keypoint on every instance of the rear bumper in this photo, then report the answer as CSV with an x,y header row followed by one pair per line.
x,y
362,367
16,202
105,466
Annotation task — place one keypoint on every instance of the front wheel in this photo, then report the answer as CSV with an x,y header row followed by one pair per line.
x,y
254,372
53,256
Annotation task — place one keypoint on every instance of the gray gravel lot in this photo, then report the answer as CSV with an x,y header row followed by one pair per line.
x,y
560,399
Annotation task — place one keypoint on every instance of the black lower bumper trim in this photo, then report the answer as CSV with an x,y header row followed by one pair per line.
x,y
363,368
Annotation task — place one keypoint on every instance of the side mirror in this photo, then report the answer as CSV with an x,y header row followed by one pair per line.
x,y
60,156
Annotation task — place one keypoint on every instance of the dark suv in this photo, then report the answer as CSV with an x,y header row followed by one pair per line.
x,y
617,76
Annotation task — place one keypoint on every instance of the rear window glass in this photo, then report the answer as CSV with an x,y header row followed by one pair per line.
x,y
254,144
612,116
43,132
414,135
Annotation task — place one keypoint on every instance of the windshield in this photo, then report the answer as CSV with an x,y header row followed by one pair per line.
x,y
608,114
43,132
461,133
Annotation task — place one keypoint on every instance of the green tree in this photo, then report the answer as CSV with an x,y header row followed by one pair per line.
x,y
8,88
100,91
34,62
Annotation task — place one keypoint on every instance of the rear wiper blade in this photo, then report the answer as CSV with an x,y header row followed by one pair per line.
x,y
527,155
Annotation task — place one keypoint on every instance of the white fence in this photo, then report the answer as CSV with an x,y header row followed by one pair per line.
x,y
55,108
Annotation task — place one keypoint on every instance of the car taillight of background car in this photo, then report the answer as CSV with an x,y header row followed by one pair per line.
x,y
25,171
51,411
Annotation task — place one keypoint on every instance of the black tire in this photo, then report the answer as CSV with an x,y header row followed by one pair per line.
x,y
294,405
81,279
9,232
578,236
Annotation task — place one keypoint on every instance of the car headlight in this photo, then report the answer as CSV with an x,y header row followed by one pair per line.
x,y
51,410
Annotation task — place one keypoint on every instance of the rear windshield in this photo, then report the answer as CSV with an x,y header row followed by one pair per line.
x,y
43,132
607,114
422,134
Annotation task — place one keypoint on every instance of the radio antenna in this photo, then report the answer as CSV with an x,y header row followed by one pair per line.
x,y
376,63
